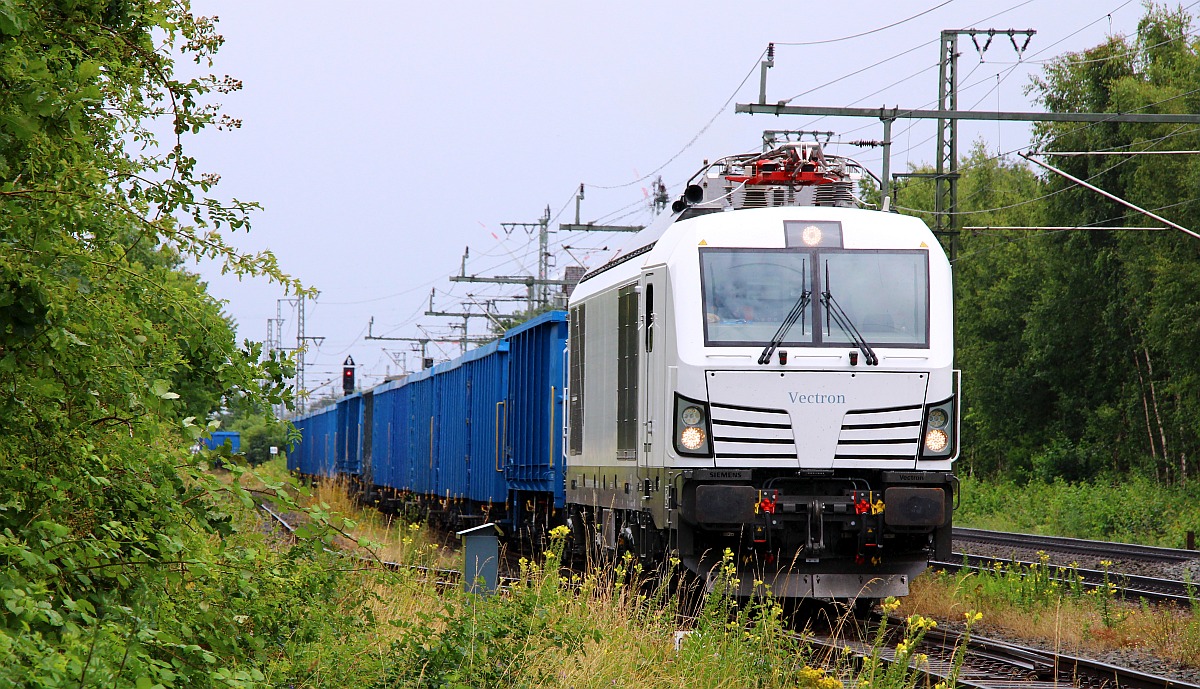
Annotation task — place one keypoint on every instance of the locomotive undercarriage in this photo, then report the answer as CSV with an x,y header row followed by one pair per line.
x,y
810,535
817,534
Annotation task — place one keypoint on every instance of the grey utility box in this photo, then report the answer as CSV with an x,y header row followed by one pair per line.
x,y
481,558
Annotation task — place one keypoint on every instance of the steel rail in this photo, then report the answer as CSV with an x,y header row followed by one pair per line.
x,y
446,577
993,664
1128,586
1076,545
1056,669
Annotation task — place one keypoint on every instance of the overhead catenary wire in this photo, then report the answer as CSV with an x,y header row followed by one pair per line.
x,y
1180,131
896,83
629,209
695,138
1031,236
897,55
1010,71
872,31
1050,140
635,203
703,130
1110,195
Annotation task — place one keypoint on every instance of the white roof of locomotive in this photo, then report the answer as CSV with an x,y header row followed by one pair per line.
x,y
756,227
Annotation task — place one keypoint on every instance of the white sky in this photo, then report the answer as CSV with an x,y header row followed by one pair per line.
x,y
384,137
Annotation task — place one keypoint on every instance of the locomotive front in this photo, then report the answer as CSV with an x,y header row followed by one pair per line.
x,y
783,391
815,411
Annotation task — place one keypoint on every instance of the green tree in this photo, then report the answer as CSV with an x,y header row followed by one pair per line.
x,y
1131,392
1079,348
108,576
995,273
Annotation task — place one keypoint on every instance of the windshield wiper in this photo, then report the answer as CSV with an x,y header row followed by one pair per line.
x,y
790,320
839,316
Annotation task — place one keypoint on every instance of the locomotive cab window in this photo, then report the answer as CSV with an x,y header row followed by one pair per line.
x,y
885,294
749,293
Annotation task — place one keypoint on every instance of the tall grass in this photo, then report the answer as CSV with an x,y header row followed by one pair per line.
x,y
613,625
1038,601
1132,509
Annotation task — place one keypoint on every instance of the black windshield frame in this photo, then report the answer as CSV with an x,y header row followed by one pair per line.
x,y
815,332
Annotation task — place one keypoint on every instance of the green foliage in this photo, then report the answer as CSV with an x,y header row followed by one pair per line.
x,y
259,434
1038,586
749,636
903,670
1035,585
1134,509
1081,349
122,562
495,640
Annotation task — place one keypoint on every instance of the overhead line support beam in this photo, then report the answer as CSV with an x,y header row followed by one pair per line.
x,y
919,114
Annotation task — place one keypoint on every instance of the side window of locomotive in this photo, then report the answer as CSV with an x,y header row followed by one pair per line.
x,y
627,372
885,293
747,294
576,352
649,318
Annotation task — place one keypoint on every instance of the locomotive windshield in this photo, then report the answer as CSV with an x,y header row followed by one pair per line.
x,y
748,293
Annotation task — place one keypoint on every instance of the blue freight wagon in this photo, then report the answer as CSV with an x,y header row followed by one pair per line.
x,y
475,438
231,438
534,457
315,453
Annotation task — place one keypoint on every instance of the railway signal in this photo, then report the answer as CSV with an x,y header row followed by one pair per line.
x,y
348,375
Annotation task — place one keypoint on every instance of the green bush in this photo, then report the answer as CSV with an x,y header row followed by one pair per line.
x,y
1132,509
259,435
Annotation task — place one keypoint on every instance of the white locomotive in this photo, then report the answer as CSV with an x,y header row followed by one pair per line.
x,y
768,371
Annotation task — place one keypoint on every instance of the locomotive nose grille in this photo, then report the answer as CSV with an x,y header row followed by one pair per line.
x,y
752,432
880,433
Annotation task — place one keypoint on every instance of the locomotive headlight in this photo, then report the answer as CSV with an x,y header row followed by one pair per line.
x,y
938,418
811,235
936,439
693,437
691,429
941,429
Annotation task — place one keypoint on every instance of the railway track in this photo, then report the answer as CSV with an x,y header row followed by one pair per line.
x,y
1128,586
1101,549
1059,555
442,578
994,664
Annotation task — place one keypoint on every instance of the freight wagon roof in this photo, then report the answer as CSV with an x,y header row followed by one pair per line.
x,y
472,355
548,317
313,414
499,345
